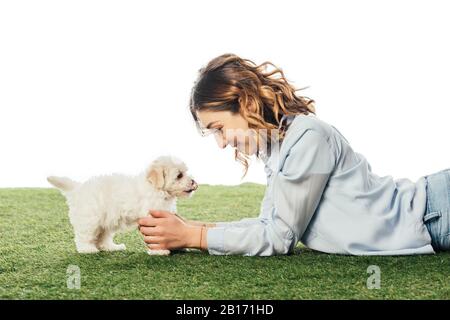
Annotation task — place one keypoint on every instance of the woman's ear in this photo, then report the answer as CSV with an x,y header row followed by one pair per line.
x,y
252,107
155,175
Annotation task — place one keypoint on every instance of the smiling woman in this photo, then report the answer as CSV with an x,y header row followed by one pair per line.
x,y
319,191
243,101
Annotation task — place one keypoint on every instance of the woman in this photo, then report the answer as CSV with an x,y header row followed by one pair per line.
x,y
319,191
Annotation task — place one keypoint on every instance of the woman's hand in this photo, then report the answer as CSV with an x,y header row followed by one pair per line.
x,y
164,230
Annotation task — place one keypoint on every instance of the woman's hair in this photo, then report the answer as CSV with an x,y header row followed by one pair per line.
x,y
230,83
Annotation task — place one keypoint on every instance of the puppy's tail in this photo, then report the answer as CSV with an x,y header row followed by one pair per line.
x,y
63,183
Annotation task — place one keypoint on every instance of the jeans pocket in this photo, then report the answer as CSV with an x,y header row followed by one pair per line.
x,y
432,222
432,215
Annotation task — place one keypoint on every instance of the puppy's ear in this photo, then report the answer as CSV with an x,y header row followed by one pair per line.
x,y
155,175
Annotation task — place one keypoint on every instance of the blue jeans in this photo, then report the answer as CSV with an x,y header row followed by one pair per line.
x,y
437,214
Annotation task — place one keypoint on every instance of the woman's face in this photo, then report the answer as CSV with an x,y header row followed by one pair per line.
x,y
229,129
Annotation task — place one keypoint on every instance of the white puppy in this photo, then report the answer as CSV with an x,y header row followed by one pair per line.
x,y
104,205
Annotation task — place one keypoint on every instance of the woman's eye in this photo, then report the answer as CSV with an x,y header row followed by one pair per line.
x,y
180,175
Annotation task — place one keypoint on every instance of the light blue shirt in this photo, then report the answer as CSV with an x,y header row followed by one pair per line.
x,y
323,194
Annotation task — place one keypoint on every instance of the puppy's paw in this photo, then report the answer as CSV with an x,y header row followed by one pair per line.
x,y
158,252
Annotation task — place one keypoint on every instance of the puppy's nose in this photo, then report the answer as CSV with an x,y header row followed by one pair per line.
x,y
194,184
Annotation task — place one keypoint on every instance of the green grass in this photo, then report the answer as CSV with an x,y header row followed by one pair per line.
x,y
36,248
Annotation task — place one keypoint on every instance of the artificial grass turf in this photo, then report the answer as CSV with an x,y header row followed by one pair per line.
x,y
36,249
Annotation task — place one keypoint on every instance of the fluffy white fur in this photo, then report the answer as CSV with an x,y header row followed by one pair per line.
x,y
104,205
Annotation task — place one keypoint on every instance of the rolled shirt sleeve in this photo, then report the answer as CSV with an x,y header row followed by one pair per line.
x,y
292,196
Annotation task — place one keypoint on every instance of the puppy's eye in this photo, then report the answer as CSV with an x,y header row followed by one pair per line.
x,y
180,175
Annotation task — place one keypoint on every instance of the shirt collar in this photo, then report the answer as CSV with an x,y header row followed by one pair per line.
x,y
270,157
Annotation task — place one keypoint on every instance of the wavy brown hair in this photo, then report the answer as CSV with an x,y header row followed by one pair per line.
x,y
260,96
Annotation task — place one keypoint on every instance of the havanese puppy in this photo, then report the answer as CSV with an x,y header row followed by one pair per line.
x,y
107,204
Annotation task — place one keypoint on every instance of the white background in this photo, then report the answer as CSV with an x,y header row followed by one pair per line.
x,y
95,87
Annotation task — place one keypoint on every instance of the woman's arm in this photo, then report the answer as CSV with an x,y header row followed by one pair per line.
x,y
296,190
195,231
179,232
